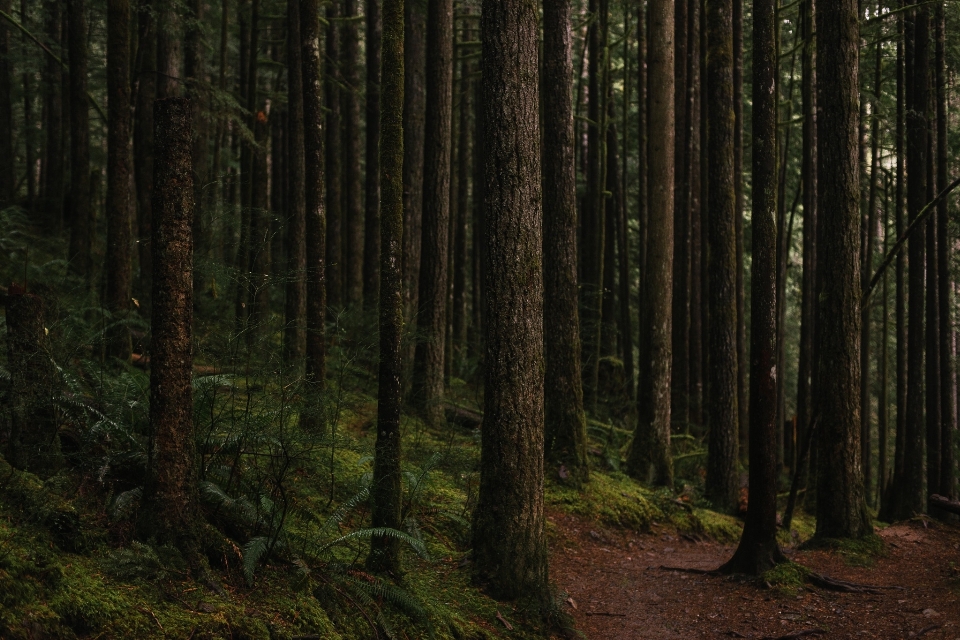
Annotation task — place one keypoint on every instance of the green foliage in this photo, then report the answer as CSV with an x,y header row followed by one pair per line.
x,y
787,577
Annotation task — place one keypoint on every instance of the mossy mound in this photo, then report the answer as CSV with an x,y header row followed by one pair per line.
x,y
787,577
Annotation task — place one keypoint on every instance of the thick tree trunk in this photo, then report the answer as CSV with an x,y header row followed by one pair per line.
x,y
387,491
333,164
371,234
168,49
650,456
170,511
841,506
509,547
81,210
316,289
722,480
427,392
295,308
119,173
353,217
758,549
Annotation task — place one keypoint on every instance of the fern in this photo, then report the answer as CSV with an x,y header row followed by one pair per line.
x,y
255,549
124,502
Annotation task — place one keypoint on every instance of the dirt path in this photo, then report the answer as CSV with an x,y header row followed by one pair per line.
x,y
620,591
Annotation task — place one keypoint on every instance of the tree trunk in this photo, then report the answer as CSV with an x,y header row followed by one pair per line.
x,y
371,236
743,405
168,49
650,456
566,428
119,170
34,445
29,127
8,178
353,217
460,256
170,510
387,491
294,336
509,546
52,168
333,165
414,120
722,482
841,506
316,289
143,144
642,186
758,550
81,211
427,392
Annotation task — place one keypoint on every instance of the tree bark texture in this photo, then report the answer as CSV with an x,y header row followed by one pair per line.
x,y
722,481
52,163
295,310
353,216
841,506
119,173
758,549
371,235
81,210
510,552
387,490
143,146
170,494
333,164
650,456
566,427
427,393
8,177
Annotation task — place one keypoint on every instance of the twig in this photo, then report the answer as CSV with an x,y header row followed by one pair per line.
x,y
504,621
927,630
152,615
702,572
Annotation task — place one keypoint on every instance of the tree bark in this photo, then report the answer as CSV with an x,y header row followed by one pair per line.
x,y
427,392
371,234
81,210
316,290
333,164
8,178
722,481
143,145
168,49
52,167
509,547
353,217
742,345
294,336
758,550
170,510
841,506
650,456
119,170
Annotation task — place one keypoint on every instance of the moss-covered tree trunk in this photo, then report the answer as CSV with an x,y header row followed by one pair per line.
x,y
566,429
295,307
722,483
509,547
315,211
758,549
649,456
371,234
170,509
33,445
81,211
387,491
333,166
841,507
119,170
427,392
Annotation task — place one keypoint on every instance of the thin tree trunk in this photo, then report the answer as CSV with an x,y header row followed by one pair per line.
x,y
333,164
143,144
8,178
459,246
353,216
722,482
28,125
883,413
119,173
295,309
387,490
642,186
371,234
680,368
168,49
742,344
52,169
427,393
509,546
650,456
81,210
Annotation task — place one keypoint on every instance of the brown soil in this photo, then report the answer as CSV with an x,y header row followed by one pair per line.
x,y
617,587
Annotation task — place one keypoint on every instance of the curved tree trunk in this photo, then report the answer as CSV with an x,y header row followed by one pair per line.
x,y
509,547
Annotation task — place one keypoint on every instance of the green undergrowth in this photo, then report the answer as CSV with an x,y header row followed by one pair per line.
x,y
787,578
861,552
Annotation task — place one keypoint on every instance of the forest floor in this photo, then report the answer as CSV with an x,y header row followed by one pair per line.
x,y
618,586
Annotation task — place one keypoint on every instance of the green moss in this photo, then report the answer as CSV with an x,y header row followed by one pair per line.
x,y
787,578
861,552
610,499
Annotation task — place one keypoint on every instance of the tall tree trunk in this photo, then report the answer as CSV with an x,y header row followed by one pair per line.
x,y
743,404
387,491
758,549
194,72
168,49
722,480
699,318
414,120
314,273
170,512
566,427
29,126
8,178
459,247
642,185
427,393
680,368
353,216
52,168
81,210
143,145
841,506
948,388
883,403
371,235
333,164
119,173
509,546
649,456
295,309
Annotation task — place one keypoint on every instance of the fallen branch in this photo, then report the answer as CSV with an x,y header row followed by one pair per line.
x,y
927,630
701,572
941,502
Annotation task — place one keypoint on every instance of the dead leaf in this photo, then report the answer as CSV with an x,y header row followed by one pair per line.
x,y
572,602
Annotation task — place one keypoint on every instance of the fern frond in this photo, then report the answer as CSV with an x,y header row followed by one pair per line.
x,y
124,501
253,551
